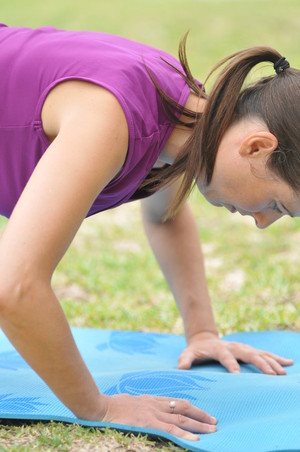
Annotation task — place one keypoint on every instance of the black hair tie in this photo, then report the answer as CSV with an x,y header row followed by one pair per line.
x,y
281,65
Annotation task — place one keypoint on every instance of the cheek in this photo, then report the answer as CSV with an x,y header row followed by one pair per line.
x,y
251,195
252,205
239,189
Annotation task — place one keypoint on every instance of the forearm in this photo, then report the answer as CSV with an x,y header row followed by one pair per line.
x,y
38,329
177,249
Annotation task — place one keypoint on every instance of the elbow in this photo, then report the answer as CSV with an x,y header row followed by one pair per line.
x,y
156,213
10,295
14,295
153,214
150,215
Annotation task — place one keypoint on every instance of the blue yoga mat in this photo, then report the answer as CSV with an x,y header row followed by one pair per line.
x,y
255,412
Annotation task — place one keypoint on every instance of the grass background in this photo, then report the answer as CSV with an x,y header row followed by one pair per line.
x,y
109,278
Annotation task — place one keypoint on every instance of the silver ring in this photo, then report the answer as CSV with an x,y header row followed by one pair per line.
x,y
172,405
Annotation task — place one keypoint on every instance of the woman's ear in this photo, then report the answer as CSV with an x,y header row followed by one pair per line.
x,y
258,145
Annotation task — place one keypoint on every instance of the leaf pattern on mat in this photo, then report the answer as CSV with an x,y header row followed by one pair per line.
x,y
179,384
131,342
10,404
12,361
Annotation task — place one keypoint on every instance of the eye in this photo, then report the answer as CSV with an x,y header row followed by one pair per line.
x,y
276,208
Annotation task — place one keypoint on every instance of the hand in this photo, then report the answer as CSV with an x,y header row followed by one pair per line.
x,y
204,346
156,413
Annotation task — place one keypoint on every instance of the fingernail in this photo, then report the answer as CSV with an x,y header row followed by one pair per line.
x,y
214,420
236,371
191,437
213,428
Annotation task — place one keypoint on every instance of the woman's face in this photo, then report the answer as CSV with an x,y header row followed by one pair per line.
x,y
242,183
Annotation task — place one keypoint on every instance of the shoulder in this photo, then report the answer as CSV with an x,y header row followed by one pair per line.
x,y
80,101
87,124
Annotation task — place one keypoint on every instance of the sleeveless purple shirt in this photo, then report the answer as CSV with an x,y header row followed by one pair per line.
x,y
33,61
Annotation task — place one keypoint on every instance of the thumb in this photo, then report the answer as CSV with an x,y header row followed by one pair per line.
x,y
186,359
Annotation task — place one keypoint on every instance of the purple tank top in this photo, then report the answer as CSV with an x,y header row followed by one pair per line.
x,y
33,61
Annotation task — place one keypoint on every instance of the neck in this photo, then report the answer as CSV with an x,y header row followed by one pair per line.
x,y
181,134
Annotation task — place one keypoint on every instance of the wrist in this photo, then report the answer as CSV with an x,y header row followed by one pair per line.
x,y
203,335
95,413
197,315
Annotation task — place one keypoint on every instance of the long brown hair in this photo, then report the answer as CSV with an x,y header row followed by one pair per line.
x,y
275,100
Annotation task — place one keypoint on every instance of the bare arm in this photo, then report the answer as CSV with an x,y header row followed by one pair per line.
x,y
178,251
88,150
55,201
177,248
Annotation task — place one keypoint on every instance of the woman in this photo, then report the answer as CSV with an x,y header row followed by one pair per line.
x,y
84,119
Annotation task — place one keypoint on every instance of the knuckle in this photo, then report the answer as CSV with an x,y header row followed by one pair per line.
x,y
172,429
256,358
146,398
185,406
236,346
146,422
125,397
230,361
228,356
181,420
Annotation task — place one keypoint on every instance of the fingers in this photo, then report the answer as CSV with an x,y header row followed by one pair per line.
x,y
229,353
262,364
179,418
228,360
181,426
185,408
173,429
186,359
188,424
184,418
275,366
268,365
280,359
266,362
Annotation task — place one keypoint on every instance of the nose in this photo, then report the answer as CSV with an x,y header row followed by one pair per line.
x,y
263,221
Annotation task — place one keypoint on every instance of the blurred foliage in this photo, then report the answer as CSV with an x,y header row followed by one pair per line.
x,y
109,278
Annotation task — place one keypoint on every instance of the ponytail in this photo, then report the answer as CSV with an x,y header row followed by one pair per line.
x,y
221,105
229,102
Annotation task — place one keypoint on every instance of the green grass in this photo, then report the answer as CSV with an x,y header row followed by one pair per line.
x,y
109,278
